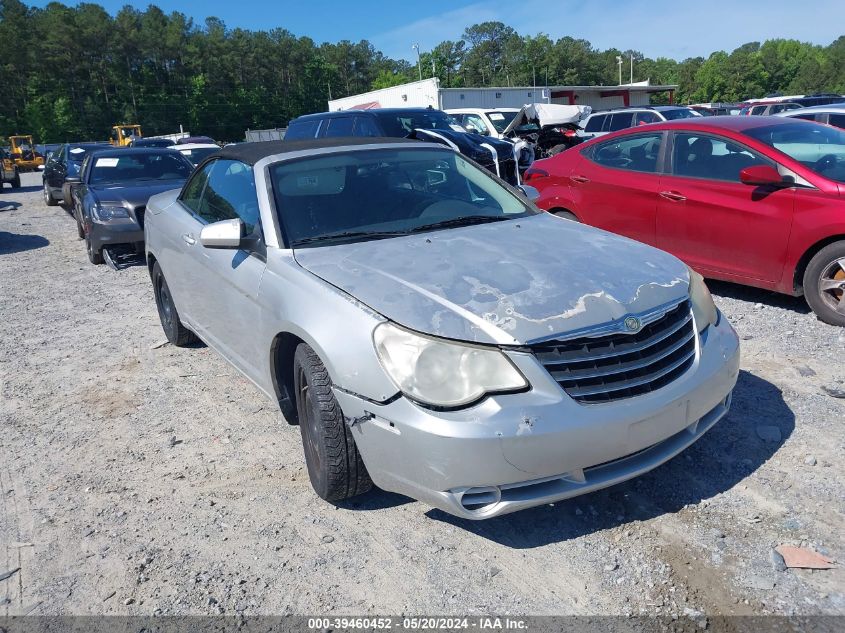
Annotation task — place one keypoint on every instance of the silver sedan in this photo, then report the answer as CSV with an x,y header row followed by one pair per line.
x,y
430,330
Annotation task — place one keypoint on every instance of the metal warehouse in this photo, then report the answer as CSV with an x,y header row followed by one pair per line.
x,y
429,93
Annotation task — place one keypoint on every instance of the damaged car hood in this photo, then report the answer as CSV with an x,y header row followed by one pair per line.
x,y
508,283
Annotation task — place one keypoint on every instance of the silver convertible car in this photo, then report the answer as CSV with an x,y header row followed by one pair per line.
x,y
433,332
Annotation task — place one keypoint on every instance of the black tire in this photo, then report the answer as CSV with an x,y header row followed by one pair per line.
x,y
94,256
334,464
80,230
824,284
176,333
16,181
49,200
566,215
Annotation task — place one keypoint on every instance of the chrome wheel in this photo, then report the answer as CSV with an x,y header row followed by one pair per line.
x,y
832,285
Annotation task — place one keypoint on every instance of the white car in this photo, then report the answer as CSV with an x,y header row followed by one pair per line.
x,y
606,121
832,114
196,152
484,121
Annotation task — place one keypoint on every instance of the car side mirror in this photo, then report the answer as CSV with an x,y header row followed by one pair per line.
x,y
529,192
223,234
73,180
760,175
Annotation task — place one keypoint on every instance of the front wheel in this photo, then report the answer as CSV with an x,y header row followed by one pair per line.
x,y
176,333
334,464
49,200
16,181
824,284
94,256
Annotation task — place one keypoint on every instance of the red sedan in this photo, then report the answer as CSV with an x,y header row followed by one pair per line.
x,y
753,200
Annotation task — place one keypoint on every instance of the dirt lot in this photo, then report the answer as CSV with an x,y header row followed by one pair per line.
x,y
140,479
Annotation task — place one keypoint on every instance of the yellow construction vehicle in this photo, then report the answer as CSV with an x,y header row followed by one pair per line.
x,y
23,153
122,135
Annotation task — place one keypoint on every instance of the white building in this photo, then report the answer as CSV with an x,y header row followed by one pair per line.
x,y
429,93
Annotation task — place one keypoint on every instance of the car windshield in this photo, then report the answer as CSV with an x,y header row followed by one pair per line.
x,y
77,153
381,193
501,120
401,124
138,167
198,154
677,113
820,148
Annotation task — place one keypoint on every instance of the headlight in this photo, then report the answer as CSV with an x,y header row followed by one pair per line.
x,y
441,373
703,308
104,214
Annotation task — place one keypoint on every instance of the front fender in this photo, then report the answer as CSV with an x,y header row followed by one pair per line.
x,y
336,326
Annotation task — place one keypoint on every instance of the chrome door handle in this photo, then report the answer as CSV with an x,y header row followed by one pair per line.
x,y
579,179
673,195
188,239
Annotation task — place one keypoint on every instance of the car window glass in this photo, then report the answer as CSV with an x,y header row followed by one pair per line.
x,y
229,194
302,130
366,126
837,120
820,148
595,123
711,157
621,120
647,117
756,110
192,194
340,126
806,117
475,121
634,153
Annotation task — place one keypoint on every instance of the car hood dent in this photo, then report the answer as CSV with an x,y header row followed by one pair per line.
x,y
506,283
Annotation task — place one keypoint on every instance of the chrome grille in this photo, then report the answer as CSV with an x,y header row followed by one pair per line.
x,y
617,366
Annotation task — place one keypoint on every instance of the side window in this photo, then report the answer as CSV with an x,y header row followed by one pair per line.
x,y
634,153
621,120
366,126
756,110
647,117
594,123
711,157
230,193
475,123
192,194
340,126
302,130
806,117
837,120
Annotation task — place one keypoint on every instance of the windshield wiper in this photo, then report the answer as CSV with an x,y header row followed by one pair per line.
x,y
347,235
468,220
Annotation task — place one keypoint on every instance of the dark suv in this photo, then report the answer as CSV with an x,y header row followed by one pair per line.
x,y
425,124
62,164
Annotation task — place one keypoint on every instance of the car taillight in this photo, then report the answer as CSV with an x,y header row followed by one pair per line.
x,y
570,133
535,173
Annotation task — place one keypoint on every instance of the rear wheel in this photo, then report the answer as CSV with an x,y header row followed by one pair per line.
x,y
16,181
49,200
176,333
334,464
824,284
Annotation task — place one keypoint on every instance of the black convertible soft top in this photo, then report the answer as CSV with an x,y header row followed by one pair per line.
x,y
251,153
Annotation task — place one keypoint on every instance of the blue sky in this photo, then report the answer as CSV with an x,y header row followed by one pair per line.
x,y
671,28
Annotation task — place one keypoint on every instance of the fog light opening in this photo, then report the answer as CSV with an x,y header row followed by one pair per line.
x,y
481,499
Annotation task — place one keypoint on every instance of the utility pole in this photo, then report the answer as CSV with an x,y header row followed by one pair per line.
x,y
416,47
619,63
433,67
632,69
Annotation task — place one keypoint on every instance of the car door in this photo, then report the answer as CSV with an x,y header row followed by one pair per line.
x,y
716,224
225,299
614,186
56,169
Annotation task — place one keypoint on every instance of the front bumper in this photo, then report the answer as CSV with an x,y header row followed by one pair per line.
x,y
107,233
516,451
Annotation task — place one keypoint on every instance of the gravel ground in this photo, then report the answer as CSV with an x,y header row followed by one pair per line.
x,y
137,478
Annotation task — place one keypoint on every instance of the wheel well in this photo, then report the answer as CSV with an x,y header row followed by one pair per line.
x,y
281,364
801,266
557,209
